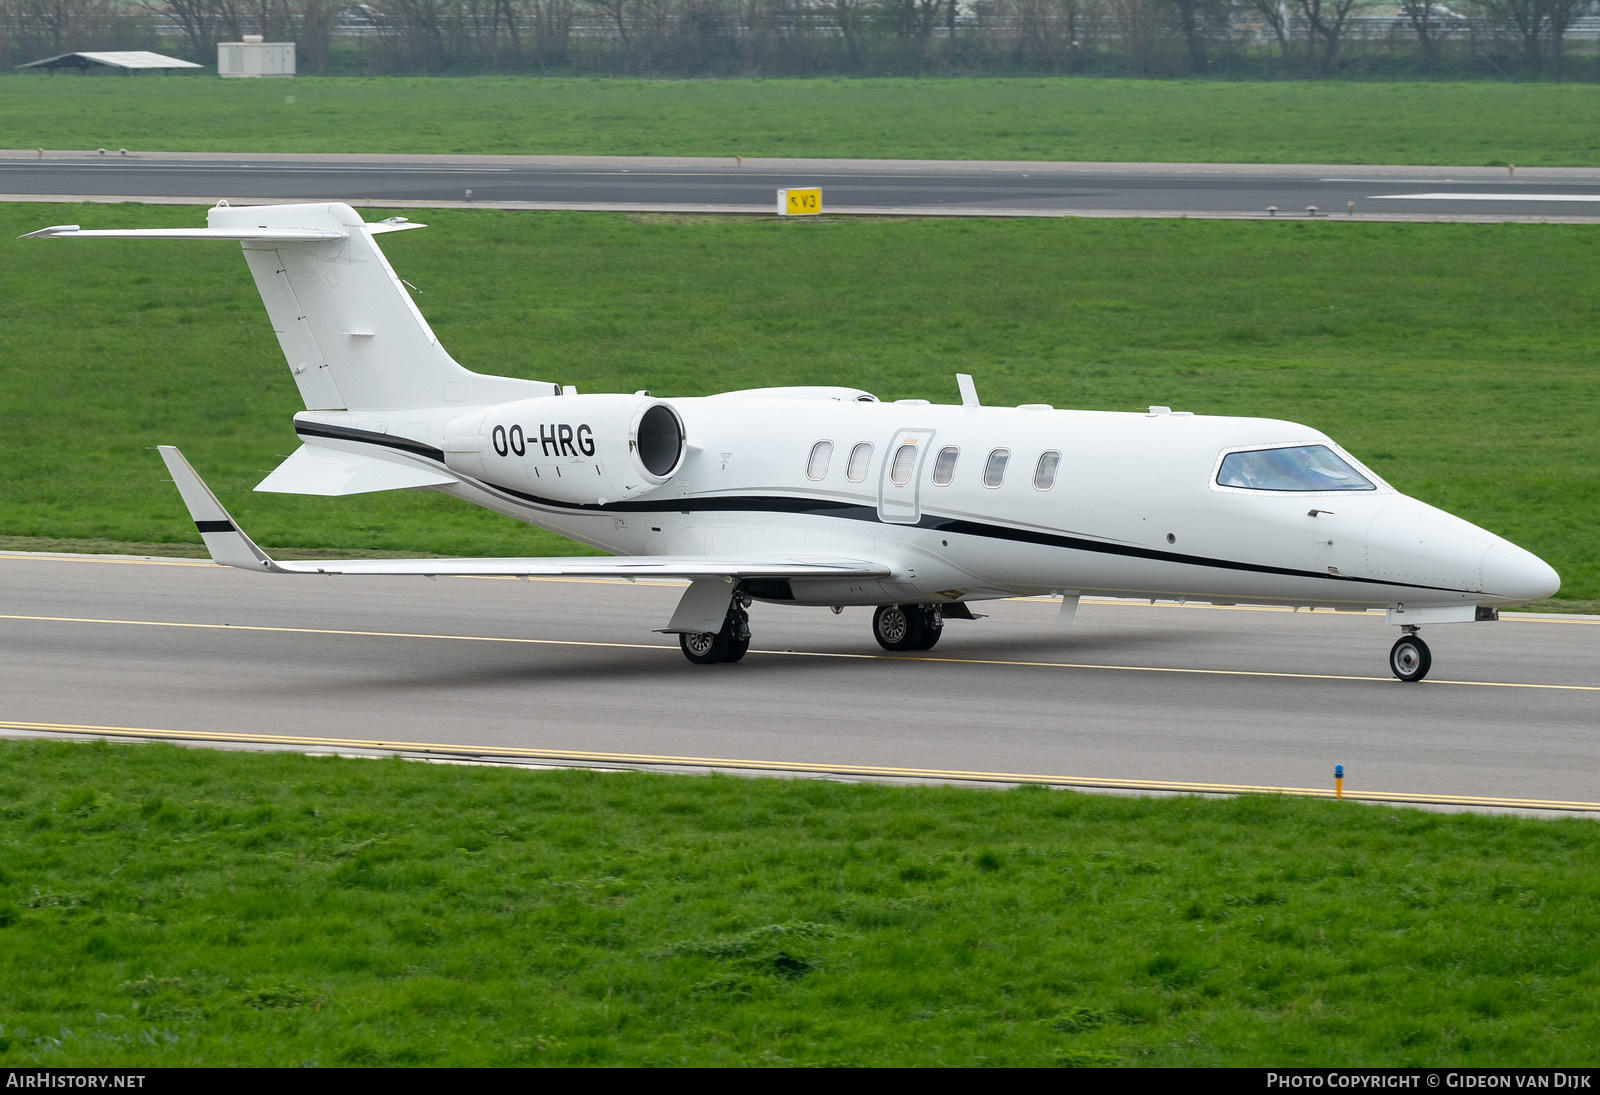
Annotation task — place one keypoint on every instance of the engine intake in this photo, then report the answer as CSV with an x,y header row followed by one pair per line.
x,y
590,449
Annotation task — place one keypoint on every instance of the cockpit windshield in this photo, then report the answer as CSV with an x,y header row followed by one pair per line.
x,y
1300,467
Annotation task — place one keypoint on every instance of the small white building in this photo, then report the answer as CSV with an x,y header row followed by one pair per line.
x,y
253,57
127,62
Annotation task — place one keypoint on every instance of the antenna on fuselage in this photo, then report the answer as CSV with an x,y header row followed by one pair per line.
x,y
969,390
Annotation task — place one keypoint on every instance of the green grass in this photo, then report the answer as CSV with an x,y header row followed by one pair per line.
x,y
1458,360
965,119
163,906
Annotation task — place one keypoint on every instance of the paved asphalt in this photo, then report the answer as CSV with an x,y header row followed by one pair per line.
x,y
1129,695
849,186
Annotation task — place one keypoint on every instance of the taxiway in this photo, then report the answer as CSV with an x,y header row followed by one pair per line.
x,y
1129,696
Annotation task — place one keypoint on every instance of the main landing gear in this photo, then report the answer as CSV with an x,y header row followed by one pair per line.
x,y
907,627
1409,658
896,627
727,645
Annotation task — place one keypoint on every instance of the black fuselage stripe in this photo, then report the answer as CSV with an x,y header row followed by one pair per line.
x,y
368,437
854,511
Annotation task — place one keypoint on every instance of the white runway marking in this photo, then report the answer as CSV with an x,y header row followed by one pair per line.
x,y
1487,197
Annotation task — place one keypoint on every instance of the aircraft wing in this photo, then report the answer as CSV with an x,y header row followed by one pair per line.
x,y
230,546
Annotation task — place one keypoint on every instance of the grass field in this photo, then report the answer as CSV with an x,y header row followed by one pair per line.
x,y
162,906
1458,360
966,119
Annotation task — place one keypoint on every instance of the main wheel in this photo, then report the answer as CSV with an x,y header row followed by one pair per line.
x,y
1409,658
705,647
932,628
898,627
737,648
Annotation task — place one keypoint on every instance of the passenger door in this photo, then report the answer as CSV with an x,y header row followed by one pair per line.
x,y
900,479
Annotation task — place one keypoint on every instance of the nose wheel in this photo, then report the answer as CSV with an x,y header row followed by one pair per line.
x,y
907,627
1409,658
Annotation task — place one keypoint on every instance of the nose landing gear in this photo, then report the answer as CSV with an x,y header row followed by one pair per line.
x,y
907,627
1409,658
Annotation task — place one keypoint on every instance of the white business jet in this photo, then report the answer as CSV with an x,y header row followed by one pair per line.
x,y
823,495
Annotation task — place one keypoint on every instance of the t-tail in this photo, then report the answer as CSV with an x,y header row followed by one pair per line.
x,y
351,334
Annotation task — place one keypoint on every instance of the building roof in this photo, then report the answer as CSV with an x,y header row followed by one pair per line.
x,y
124,59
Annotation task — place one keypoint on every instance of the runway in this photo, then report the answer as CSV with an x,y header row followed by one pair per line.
x,y
1130,696
916,188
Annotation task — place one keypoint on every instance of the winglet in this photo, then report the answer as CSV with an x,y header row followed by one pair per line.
x,y
53,230
228,545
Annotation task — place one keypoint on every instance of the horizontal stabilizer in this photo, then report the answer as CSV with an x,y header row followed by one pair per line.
x,y
276,235
229,546
330,473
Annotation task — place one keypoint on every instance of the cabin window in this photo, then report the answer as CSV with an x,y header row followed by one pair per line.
x,y
817,466
1044,476
1299,467
994,472
944,468
905,461
860,457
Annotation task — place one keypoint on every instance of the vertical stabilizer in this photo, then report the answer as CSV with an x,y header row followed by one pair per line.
x,y
351,334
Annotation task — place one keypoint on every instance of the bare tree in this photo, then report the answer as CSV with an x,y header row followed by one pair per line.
x,y
314,34
411,33
1054,33
42,28
850,16
552,30
1140,25
1539,25
1276,15
917,19
1424,15
1199,20
1325,26
199,20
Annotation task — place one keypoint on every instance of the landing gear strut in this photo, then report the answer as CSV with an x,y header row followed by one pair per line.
x,y
726,645
907,627
1409,658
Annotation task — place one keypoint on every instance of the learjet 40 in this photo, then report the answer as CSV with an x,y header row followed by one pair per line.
x,y
825,495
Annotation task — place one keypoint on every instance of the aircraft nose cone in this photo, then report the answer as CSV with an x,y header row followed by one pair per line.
x,y
1518,576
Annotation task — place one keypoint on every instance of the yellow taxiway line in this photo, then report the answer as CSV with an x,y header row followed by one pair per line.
x,y
921,658
568,757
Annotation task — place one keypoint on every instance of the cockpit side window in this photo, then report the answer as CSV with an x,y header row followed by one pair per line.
x,y
1293,468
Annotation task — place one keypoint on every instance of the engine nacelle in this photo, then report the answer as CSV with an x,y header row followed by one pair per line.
x,y
572,448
